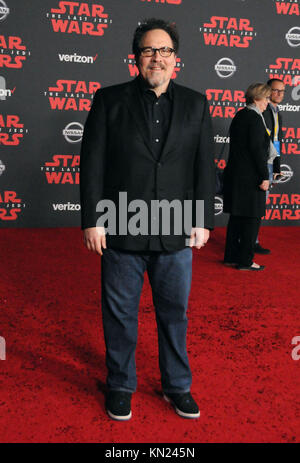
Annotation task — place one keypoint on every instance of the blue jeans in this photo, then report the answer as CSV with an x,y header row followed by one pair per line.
x,y
170,276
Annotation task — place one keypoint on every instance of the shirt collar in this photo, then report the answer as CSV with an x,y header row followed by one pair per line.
x,y
144,87
274,108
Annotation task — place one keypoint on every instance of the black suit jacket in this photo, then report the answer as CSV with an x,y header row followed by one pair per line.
x,y
116,156
247,165
270,123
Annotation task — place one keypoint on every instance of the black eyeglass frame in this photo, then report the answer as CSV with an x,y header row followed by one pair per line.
x,y
154,50
277,90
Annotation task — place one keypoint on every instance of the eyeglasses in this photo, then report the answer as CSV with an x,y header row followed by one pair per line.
x,y
277,91
165,52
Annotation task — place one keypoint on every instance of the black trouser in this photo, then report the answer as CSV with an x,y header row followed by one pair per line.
x,y
240,239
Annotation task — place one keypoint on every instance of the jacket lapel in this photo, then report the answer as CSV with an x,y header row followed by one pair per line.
x,y
178,112
137,111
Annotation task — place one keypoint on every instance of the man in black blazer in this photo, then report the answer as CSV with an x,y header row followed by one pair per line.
x,y
273,118
273,121
149,140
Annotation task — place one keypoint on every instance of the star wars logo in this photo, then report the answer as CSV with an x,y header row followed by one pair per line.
x,y
169,2
228,32
287,8
79,18
285,69
64,168
10,205
11,130
291,141
283,207
225,103
13,53
75,95
133,69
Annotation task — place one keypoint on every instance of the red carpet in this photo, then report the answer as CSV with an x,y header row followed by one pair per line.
x,y
240,329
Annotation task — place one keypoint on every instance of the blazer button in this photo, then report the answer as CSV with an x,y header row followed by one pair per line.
x,y
159,164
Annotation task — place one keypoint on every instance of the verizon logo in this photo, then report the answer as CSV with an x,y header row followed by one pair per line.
x,y
5,92
66,207
77,58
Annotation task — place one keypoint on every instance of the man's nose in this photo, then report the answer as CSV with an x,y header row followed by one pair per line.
x,y
156,55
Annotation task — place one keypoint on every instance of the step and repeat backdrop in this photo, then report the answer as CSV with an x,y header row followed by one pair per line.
x,y
55,54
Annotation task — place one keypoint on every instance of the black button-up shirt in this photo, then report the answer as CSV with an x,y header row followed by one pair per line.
x,y
158,115
158,112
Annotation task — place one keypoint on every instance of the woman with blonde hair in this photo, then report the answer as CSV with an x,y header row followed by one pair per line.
x,y
246,178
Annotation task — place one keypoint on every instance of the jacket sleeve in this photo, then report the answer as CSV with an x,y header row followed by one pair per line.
x,y
276,165
258,149
204,174
92,162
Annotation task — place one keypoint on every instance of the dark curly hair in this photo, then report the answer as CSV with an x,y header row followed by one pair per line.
x,y
149,25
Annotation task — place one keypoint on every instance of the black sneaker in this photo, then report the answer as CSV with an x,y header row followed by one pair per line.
x,y
118,405
258,249
184,404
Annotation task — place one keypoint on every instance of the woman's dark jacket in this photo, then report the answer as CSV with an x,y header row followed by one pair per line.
x,y
247,165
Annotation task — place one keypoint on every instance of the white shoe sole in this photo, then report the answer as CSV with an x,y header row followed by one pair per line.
x,y
119,417
180,412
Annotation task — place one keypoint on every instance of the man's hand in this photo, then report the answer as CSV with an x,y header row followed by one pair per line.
x,y
199,237
94,239
264,185
278,174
